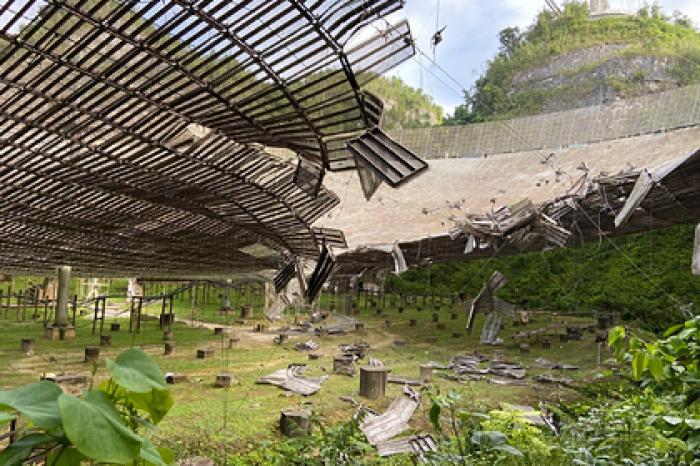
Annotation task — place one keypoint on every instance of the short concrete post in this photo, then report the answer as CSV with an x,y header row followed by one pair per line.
x,y
223,381
373,382
92,353
27,344
295,423
426,373
344,365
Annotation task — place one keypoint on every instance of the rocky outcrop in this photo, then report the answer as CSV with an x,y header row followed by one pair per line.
x,y
595,76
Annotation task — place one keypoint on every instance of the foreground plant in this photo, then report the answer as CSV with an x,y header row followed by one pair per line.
x,y
107,424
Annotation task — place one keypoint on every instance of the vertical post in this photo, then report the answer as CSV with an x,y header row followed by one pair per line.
x,y
13,431
162,312
138,315
95,317
102,315
61,319
227,295
172,316
131,316
75,308
696,252
10,289
193,302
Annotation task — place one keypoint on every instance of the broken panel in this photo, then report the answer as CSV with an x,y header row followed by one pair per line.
x,y
284,276
291,379
394,421
641,190
330,237
309,177
484,300
323,269
370,180
392,162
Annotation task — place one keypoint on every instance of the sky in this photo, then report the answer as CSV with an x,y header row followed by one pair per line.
x,y
471,38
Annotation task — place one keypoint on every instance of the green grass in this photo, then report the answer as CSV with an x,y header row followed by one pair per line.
x,y
205,419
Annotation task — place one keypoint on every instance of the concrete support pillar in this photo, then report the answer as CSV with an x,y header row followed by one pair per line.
x,y
62,296
696,252
227,294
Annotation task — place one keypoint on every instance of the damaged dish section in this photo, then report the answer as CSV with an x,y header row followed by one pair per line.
x,y
594,206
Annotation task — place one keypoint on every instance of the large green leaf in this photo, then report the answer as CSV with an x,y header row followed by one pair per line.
x,y
97,430
135,371
5,418
15,454
489,438
435,410
156,403
639,363
615,336
656,367
68,456
36,401
155,457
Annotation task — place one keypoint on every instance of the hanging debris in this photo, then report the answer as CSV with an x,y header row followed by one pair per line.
x,y
495,309
594,204
324,267
285,275
379,158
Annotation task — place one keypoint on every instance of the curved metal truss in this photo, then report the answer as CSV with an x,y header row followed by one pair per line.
x,y
132,132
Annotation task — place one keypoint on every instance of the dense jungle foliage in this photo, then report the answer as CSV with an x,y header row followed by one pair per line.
x,y
648,280
649,33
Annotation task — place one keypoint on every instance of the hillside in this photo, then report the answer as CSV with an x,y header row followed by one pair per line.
x,y
405,106
570,61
